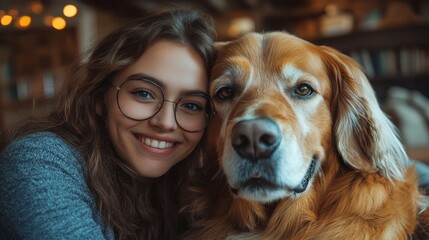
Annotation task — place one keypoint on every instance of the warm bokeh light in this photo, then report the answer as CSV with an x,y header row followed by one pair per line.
x,y
6,20
36,7
70,10
13,12
24,21
240,26
58,23
47,20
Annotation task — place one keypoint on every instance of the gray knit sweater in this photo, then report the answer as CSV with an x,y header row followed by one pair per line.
x,y
43,192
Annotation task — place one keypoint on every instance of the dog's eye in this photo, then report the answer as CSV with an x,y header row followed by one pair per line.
x,y
304,90
224,93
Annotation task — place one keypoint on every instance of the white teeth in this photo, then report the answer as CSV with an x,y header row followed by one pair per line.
x,y
156,143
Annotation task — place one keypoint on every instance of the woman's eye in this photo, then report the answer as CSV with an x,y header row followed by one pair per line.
x,y
192,107
143,94
303,90
224,93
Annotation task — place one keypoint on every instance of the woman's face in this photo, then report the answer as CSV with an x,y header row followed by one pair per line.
x,y
152,146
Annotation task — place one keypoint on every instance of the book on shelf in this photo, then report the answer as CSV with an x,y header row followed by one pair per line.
x,y
391,63
388,62
367,63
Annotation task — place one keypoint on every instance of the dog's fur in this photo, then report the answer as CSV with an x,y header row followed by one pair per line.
x,y
300,149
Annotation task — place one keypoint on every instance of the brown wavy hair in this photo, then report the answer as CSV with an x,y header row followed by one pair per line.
x,y
134,207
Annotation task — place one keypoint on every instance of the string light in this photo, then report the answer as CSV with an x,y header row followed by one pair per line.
x,y
239,26
58,23
6,20
70,10
47,20
36,7
13,12
24,21
35,14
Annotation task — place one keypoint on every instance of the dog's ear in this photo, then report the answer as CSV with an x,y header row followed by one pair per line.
x,y
365,138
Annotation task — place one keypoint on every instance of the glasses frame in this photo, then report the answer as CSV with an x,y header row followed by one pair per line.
x,y
210,102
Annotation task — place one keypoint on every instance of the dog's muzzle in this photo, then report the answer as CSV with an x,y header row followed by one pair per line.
x,y
256,142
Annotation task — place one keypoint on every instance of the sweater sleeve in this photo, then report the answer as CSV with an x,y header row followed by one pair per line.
x,y
43,192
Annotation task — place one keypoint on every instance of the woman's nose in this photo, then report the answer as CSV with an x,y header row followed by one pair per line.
x,y
165,118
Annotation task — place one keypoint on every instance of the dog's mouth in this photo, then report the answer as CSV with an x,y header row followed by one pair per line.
x,y
254,184
265,185
308,175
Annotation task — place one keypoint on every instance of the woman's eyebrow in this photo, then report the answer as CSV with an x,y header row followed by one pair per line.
x,y
141,76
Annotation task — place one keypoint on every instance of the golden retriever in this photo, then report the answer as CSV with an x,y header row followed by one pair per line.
x,y
300,149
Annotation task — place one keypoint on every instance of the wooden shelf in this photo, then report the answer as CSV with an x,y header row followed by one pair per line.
x,y
409,36
25,103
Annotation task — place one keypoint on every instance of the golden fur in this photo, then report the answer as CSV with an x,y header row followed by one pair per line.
x,y
360,186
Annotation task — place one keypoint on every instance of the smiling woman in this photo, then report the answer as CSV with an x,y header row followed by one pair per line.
x,y
110,159
149,131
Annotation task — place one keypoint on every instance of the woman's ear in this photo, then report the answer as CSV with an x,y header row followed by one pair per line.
x,y
365,138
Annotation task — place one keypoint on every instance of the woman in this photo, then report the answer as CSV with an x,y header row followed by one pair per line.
x,y
109,160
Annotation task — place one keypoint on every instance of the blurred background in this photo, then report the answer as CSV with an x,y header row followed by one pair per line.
x,y
388,38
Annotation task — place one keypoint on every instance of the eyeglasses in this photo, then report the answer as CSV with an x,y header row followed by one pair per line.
x,y
141,99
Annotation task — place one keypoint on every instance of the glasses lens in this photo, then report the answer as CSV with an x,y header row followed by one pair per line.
x,y
139,99
194,112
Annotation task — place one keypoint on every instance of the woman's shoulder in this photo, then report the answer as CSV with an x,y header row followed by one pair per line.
x,y
37,143
43,191
40,151
38,140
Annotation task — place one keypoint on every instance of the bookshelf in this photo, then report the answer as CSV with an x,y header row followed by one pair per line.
x,y
32,67
390,57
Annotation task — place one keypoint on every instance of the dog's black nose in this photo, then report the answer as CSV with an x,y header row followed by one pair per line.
x,y
256,139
